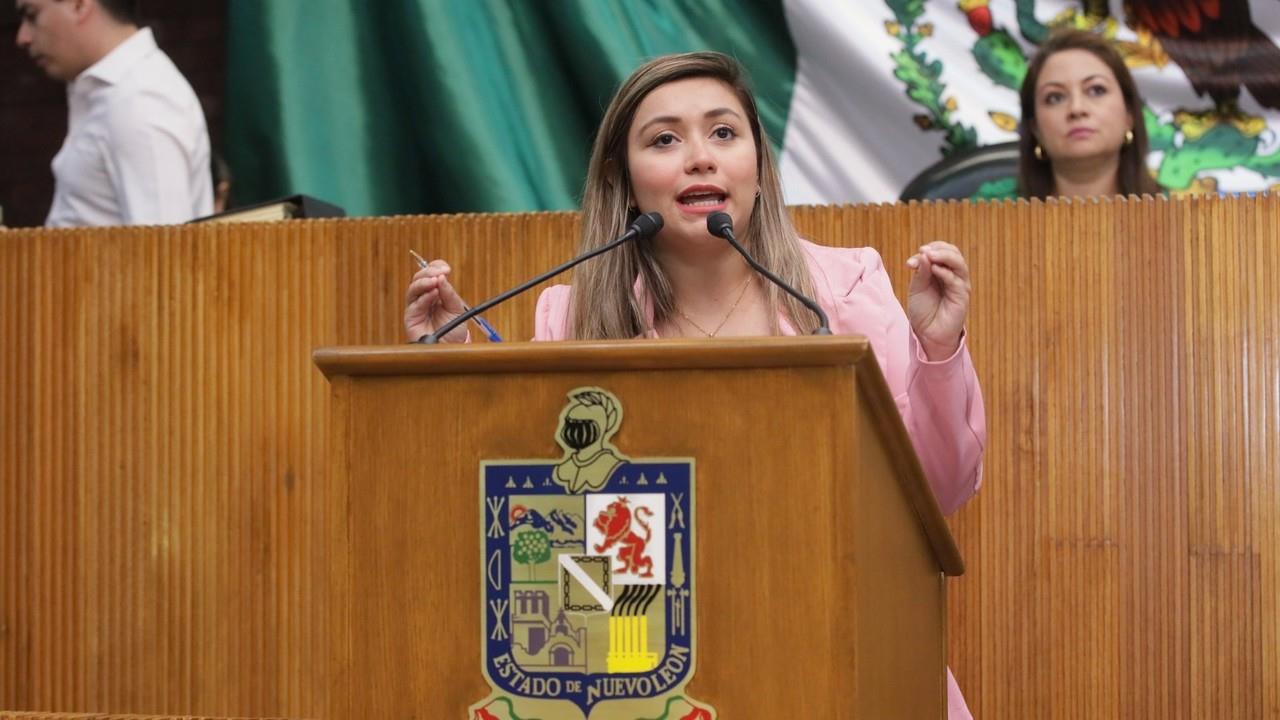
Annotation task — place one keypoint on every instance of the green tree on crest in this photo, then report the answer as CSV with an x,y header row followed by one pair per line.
x,y
531,547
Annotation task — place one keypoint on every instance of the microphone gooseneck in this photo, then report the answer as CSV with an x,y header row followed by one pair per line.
x,y
721,225
642,228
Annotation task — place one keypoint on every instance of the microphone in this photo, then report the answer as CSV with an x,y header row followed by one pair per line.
x,y
644,227
721,225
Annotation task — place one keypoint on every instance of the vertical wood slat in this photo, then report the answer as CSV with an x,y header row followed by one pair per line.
x,y
164,512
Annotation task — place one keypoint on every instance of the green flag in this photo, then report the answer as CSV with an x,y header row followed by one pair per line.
x,y
413,106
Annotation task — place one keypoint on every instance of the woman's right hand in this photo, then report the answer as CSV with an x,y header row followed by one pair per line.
x,y
431,302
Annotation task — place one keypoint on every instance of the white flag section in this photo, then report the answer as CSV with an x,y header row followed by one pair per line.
x,y
867,115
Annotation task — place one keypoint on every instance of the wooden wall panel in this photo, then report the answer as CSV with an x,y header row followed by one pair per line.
x,y
1122,557
165,515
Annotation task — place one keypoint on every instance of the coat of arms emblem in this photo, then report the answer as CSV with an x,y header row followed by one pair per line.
x,y
588,572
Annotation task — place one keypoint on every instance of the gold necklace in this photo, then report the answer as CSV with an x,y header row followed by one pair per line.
x,y
696,326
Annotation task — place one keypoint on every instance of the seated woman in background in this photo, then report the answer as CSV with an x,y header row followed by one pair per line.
x,y
683,137
1082,127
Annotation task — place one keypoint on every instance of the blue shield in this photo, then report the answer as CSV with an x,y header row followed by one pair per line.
x,y
588,584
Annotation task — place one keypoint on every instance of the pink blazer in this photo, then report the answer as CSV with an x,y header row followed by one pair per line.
x,y
940,401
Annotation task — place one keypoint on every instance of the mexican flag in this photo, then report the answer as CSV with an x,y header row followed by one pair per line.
x,y
490,105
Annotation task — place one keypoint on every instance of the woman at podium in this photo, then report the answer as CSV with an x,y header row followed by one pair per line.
x,y
682,137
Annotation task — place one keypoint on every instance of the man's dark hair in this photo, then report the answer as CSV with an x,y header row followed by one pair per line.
x,y
125,11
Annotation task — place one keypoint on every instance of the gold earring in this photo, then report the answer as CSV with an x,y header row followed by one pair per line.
x,y
1128,137
1039,152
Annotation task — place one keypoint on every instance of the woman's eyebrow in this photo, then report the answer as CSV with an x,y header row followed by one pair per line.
x,y
717,112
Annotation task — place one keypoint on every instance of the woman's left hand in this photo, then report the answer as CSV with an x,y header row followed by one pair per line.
x,y
938,300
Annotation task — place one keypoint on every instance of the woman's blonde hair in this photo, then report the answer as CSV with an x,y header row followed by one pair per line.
x,y
604,301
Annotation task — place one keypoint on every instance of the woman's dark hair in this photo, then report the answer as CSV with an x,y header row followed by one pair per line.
x,y
1035,175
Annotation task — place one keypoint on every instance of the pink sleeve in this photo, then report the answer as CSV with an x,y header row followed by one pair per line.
x,y
957,709
940,402
551,316
944,413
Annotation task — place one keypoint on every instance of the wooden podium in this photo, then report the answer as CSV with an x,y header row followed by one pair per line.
x,y
819,549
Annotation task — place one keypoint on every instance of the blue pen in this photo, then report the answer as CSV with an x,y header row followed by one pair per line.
x,y
481,322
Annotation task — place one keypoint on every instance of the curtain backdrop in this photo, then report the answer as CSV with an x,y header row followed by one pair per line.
x,y
402,106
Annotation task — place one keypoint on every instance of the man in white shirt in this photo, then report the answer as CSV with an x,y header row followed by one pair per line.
x,y
137,148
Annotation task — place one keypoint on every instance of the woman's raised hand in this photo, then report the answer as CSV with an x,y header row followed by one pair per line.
x,y
431,302
938,299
